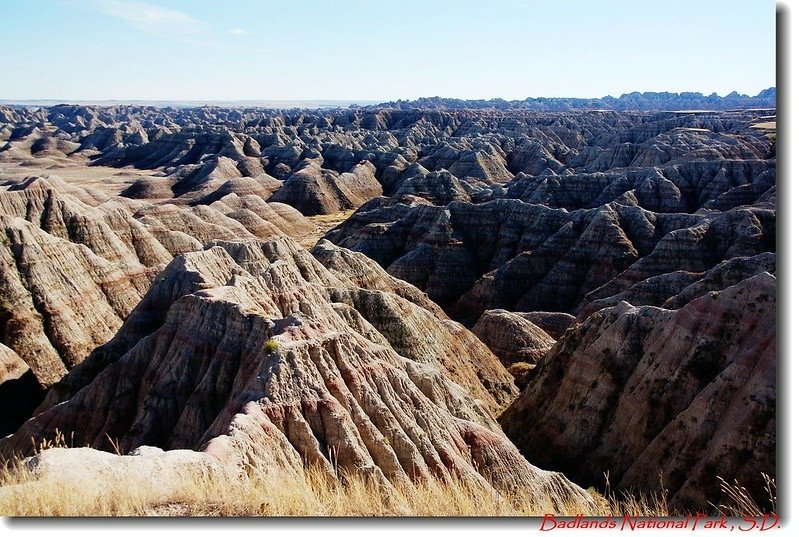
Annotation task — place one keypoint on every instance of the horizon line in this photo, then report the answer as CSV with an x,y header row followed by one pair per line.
x,y
363,101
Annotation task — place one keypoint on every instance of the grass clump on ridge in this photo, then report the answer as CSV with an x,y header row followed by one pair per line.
x,y
271,345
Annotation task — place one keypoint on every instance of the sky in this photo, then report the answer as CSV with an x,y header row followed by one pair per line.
x,y
206,50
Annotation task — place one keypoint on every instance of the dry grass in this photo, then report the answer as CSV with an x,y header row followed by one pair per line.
x,y
76,170
768,127
740,503
645,505
200,492
322,224
205,494
765,125
331,219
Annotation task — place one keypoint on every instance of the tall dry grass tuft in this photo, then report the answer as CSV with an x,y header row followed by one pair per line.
x,y
654,504
740,502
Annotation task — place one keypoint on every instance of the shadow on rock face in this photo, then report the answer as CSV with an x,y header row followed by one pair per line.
x,y
18,398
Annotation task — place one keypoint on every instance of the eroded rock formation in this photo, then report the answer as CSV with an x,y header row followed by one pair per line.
x,y
647,394
72,269
260,356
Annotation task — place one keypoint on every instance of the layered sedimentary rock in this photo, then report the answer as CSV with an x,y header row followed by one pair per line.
x,y
314,190
647,394
675,289
70,274
11,366
718,184
518,342
423,333
325,161
359,270
240,352
512,337
553,323
522,257
72,269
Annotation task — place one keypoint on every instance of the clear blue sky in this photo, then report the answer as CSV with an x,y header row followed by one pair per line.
x,y
381,50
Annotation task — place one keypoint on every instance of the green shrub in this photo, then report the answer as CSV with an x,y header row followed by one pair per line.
x,y
271,345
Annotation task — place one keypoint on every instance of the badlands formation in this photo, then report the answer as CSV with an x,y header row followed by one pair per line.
x,y
522,296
